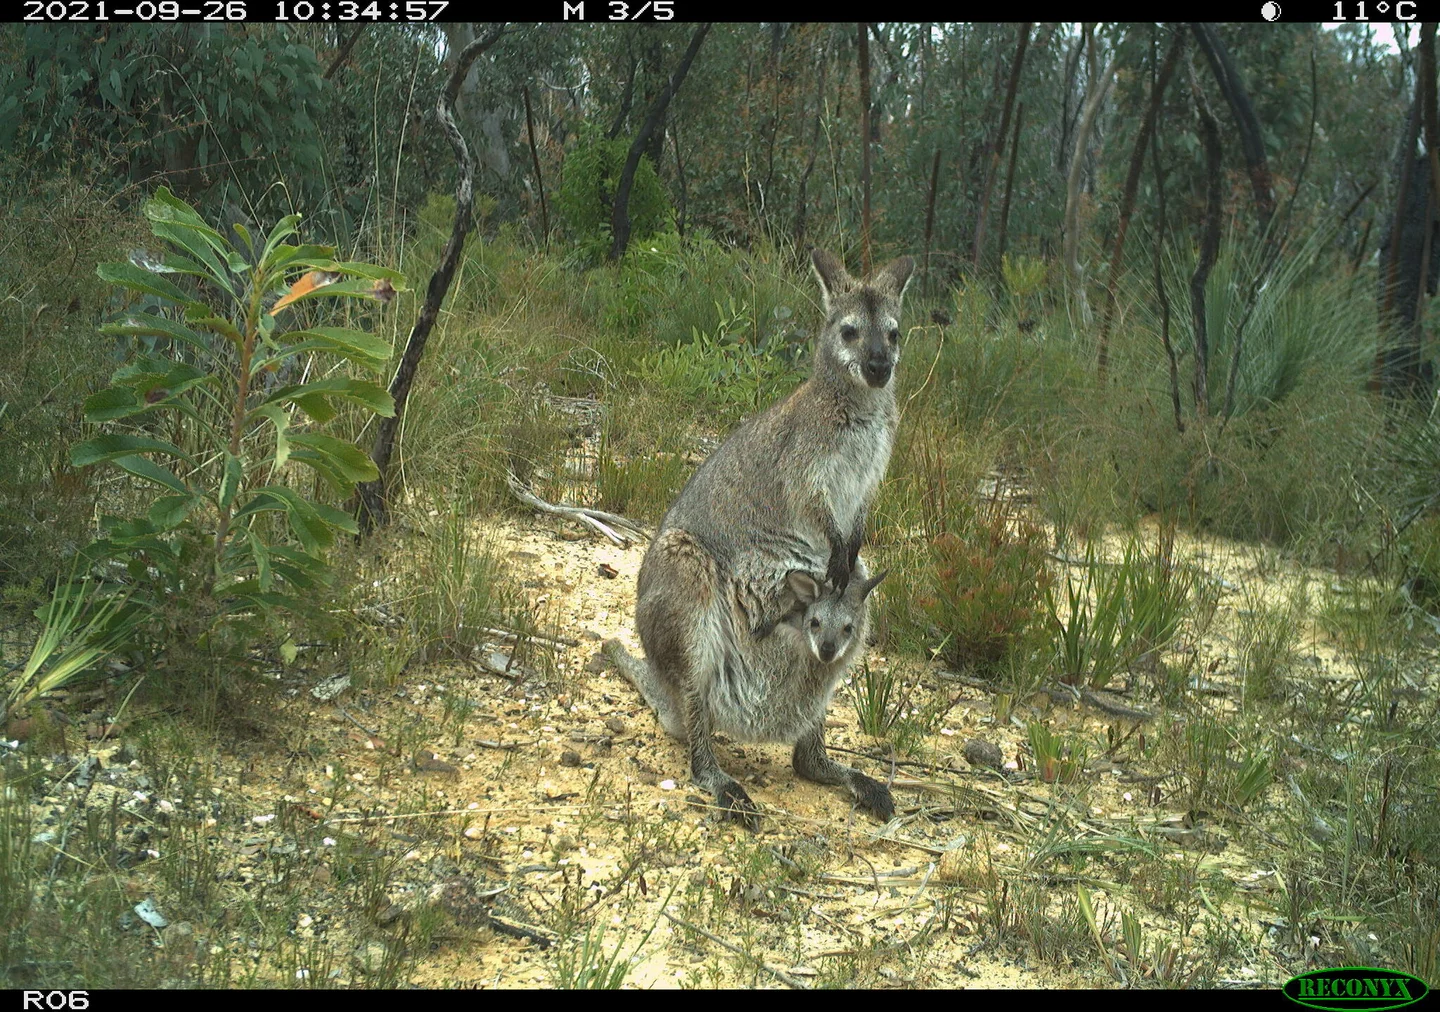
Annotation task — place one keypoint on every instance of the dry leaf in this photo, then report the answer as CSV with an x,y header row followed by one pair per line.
x,y
307,284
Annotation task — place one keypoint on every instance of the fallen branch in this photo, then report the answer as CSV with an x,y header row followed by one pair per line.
x,y
774,971
599,520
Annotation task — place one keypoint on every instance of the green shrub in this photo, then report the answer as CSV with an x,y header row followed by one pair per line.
x,y
197,529
987,575
587,192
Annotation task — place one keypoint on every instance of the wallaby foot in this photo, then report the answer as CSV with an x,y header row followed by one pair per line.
x,y
813,763
731,797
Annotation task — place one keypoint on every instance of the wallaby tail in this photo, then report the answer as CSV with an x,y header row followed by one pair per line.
x,y
643,678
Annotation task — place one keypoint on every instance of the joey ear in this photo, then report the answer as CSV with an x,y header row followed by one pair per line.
x,y
894,277
872,583
831,273
803,586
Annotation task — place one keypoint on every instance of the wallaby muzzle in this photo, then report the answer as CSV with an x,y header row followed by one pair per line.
x,y
827,651
878,364
876,371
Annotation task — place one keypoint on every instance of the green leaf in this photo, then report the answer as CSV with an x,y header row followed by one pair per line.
x,y
261,554
230,480
368,395
170,511
281,420
285,226
185,238
141,280
355,345
310,530
102,448
244,234
112,403
144,467
285,255
343,463
148,324
215,324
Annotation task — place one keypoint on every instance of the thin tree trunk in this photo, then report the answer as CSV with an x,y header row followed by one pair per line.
x,y
930,216
1390,266
371,499
1209,250
1432,139
680,178
1099,88
1010,182
1127,196
863,41
627,99
620,210
800,195
535,160
342,53
1360,247
992,163
1252,141
1160,231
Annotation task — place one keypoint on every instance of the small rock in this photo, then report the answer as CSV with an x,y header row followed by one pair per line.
x,y
615,725
569,758
429,762
978,752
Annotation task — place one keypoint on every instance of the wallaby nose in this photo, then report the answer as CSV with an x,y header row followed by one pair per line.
x,y
827,651
876,371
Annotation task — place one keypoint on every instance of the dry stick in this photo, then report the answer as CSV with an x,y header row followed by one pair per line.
x,y
597,519
535,160
511,634
524,809
371,499
774,971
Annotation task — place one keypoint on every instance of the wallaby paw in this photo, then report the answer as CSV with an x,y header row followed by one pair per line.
x,y
837,574
873,796
737,805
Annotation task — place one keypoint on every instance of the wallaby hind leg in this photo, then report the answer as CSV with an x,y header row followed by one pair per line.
x,y
813,763
705,768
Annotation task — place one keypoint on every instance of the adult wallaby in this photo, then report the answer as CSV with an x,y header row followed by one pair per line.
x,y
778,689
789,490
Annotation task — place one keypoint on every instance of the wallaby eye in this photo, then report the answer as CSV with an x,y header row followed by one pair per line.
x,y
849,629
814,623
895,336
848,333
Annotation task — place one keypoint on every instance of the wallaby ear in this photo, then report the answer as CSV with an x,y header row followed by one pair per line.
x,y
872,583
894,277
831,273
803,586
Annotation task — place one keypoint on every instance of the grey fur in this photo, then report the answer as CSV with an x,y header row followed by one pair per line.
x,y
789,490
774,690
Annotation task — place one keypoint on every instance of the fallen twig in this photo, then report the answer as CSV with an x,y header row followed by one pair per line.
x,y
774,971
598,520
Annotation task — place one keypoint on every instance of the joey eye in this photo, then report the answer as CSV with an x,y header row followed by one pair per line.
x,y
814,623
894,336
849,629
848,333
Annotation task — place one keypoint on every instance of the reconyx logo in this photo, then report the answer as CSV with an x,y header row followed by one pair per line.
x,y
1355,987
